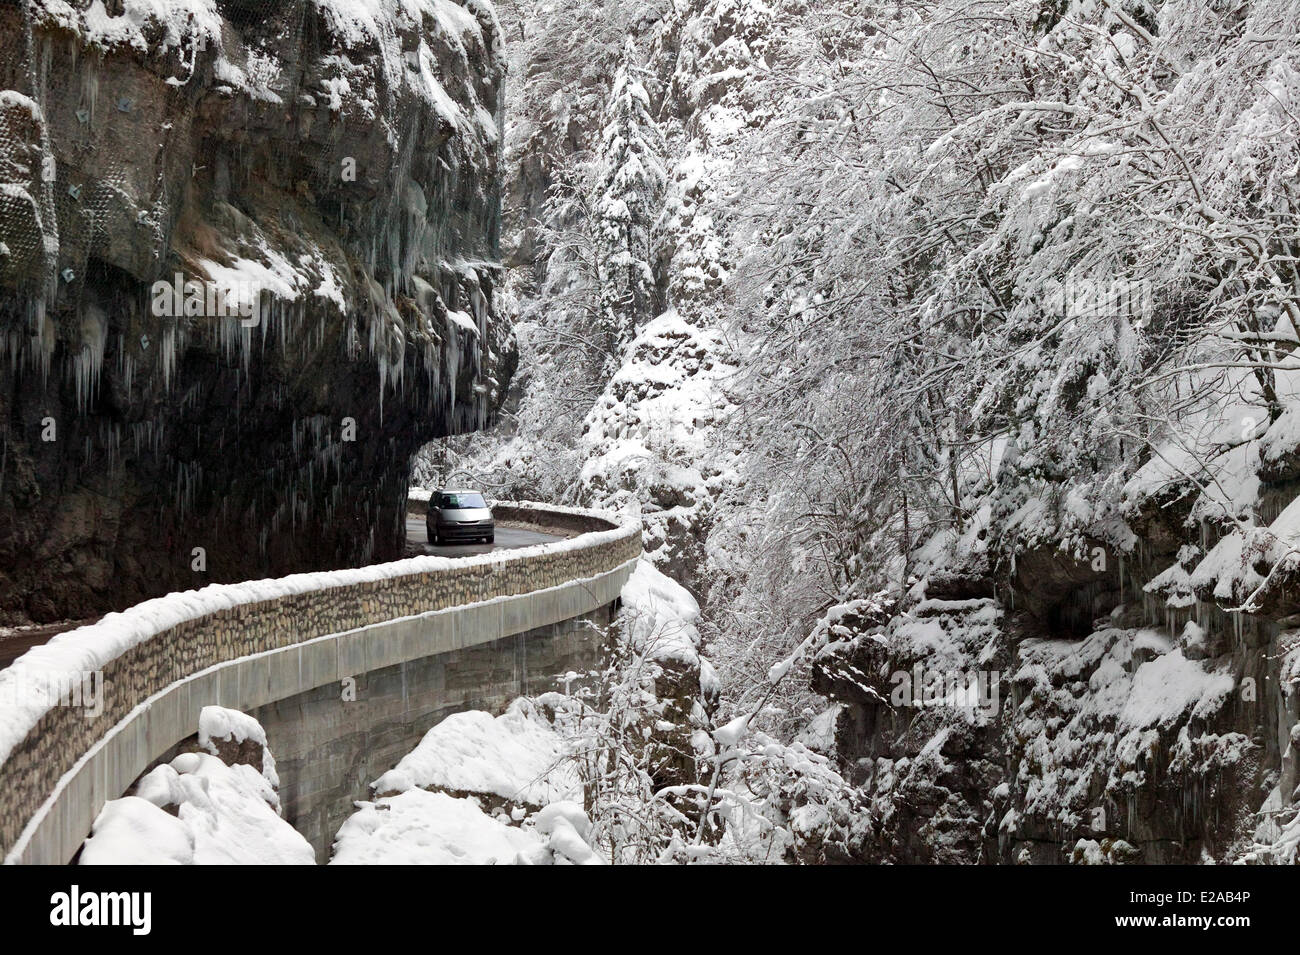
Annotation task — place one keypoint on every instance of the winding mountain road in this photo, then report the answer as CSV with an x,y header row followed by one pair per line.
x,y
507,538
15,641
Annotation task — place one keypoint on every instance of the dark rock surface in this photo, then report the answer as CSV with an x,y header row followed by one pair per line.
x,y
928,774
338,176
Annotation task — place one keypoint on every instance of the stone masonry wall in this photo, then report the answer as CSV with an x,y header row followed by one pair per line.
x,y
64,734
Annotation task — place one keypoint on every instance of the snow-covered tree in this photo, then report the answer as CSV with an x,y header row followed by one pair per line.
x,y
965,281
630,184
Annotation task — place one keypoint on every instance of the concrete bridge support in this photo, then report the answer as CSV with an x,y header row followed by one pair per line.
x,y
329,748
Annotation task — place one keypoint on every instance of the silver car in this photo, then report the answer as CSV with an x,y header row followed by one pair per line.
x,y
459,516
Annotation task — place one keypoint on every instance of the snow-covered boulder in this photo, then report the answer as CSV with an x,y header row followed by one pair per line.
x,y
433,828
477,790
515,759
201,810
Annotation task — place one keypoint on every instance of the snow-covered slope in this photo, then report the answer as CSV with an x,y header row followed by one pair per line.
x,y
976,354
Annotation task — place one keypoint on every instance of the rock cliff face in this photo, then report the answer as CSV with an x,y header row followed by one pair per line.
x,y
316,182
1118,714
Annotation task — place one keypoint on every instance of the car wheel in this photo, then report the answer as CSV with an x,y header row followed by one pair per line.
x,y
491,538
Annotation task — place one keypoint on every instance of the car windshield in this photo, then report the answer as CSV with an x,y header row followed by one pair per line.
x,y
463,500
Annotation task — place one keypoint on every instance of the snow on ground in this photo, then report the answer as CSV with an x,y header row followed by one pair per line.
x,y
196,810
431,828
496,772
516,756
428,828
489,767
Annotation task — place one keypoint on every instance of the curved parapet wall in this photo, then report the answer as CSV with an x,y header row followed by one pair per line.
x,y
245,645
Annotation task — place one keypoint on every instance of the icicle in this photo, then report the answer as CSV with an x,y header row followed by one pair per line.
x,y
89,361
168,356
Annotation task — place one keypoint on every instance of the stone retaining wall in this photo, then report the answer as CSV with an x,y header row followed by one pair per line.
x,y
328,748
501,596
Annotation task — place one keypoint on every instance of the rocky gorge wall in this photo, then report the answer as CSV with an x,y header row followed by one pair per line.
x,y
1130,719
318,182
